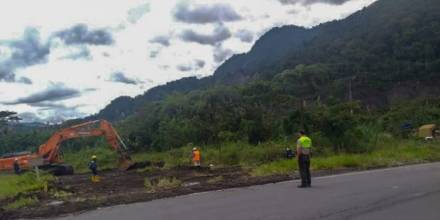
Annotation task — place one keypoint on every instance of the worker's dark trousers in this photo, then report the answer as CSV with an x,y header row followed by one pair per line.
x,y
304,170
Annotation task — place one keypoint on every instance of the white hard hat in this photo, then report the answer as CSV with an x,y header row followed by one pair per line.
x,y
195,148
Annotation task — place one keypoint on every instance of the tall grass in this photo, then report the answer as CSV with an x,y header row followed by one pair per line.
x,y
11,185
107,158
228,154
387,154
269,158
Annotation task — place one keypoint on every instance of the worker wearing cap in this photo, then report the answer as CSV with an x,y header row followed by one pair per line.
x,y
17,169
303,151
93,166
196,156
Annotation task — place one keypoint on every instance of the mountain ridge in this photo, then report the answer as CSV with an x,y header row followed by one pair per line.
x,y
372,50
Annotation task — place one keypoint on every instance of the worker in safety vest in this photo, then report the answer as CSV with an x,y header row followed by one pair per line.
x,y
303,151
93,166
196,156
17,169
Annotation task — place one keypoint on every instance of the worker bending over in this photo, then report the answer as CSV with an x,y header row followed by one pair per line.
x,y
196,156
303,151
93,166
289,153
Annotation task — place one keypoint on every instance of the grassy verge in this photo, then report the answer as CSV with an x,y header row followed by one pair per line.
x,y
22,187
12,185
268,158
410,152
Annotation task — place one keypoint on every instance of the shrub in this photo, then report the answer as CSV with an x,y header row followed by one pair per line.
x,y
169,183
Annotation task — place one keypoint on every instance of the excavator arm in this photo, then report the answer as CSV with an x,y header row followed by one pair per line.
x,y
50,151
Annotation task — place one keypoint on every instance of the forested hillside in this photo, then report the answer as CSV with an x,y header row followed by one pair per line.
x,y
387,52
343,80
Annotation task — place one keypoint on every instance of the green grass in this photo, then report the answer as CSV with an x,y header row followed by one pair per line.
x,y
21,202
268,158
107,158
409,152
169,183
162,183
148,185
227,154
12,185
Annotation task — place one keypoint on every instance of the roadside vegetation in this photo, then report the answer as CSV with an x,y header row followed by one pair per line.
x,y
13,185
395,154
162,183
269,158
22,188
80,160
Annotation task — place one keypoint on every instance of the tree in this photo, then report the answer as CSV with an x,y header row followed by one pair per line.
x,y
6,116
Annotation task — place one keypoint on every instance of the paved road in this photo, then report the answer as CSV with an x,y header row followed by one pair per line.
x,y
411,192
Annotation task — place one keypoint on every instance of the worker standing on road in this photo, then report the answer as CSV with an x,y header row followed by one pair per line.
x,y
93,166
303,151
196,156
17,169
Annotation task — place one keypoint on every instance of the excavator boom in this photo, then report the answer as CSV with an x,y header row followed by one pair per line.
x,y
49,152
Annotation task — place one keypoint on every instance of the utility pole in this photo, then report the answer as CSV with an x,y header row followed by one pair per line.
x,y
350,91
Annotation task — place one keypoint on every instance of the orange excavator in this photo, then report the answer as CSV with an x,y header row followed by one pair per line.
x,y
48,155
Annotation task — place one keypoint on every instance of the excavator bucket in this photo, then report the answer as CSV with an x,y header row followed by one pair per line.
x,y
126,164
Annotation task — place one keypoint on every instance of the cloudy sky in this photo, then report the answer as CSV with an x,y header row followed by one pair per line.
x,y
70,58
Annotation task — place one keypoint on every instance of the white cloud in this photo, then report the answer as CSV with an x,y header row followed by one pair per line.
x,y
147,45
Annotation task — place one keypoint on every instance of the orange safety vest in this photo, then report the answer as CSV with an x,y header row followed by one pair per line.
x,y
196,155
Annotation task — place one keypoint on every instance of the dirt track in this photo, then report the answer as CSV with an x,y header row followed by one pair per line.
x,y
77,193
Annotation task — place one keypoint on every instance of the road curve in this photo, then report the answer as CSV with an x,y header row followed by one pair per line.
x,y
411,192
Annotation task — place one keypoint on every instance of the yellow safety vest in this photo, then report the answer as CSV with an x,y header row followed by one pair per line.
x,y
305,142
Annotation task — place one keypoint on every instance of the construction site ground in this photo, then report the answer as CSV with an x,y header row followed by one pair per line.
x,y
76,193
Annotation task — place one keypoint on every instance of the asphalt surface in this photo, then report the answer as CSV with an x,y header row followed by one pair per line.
x,y
411,192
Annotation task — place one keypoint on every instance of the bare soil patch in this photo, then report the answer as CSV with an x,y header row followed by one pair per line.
x,y
76,193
